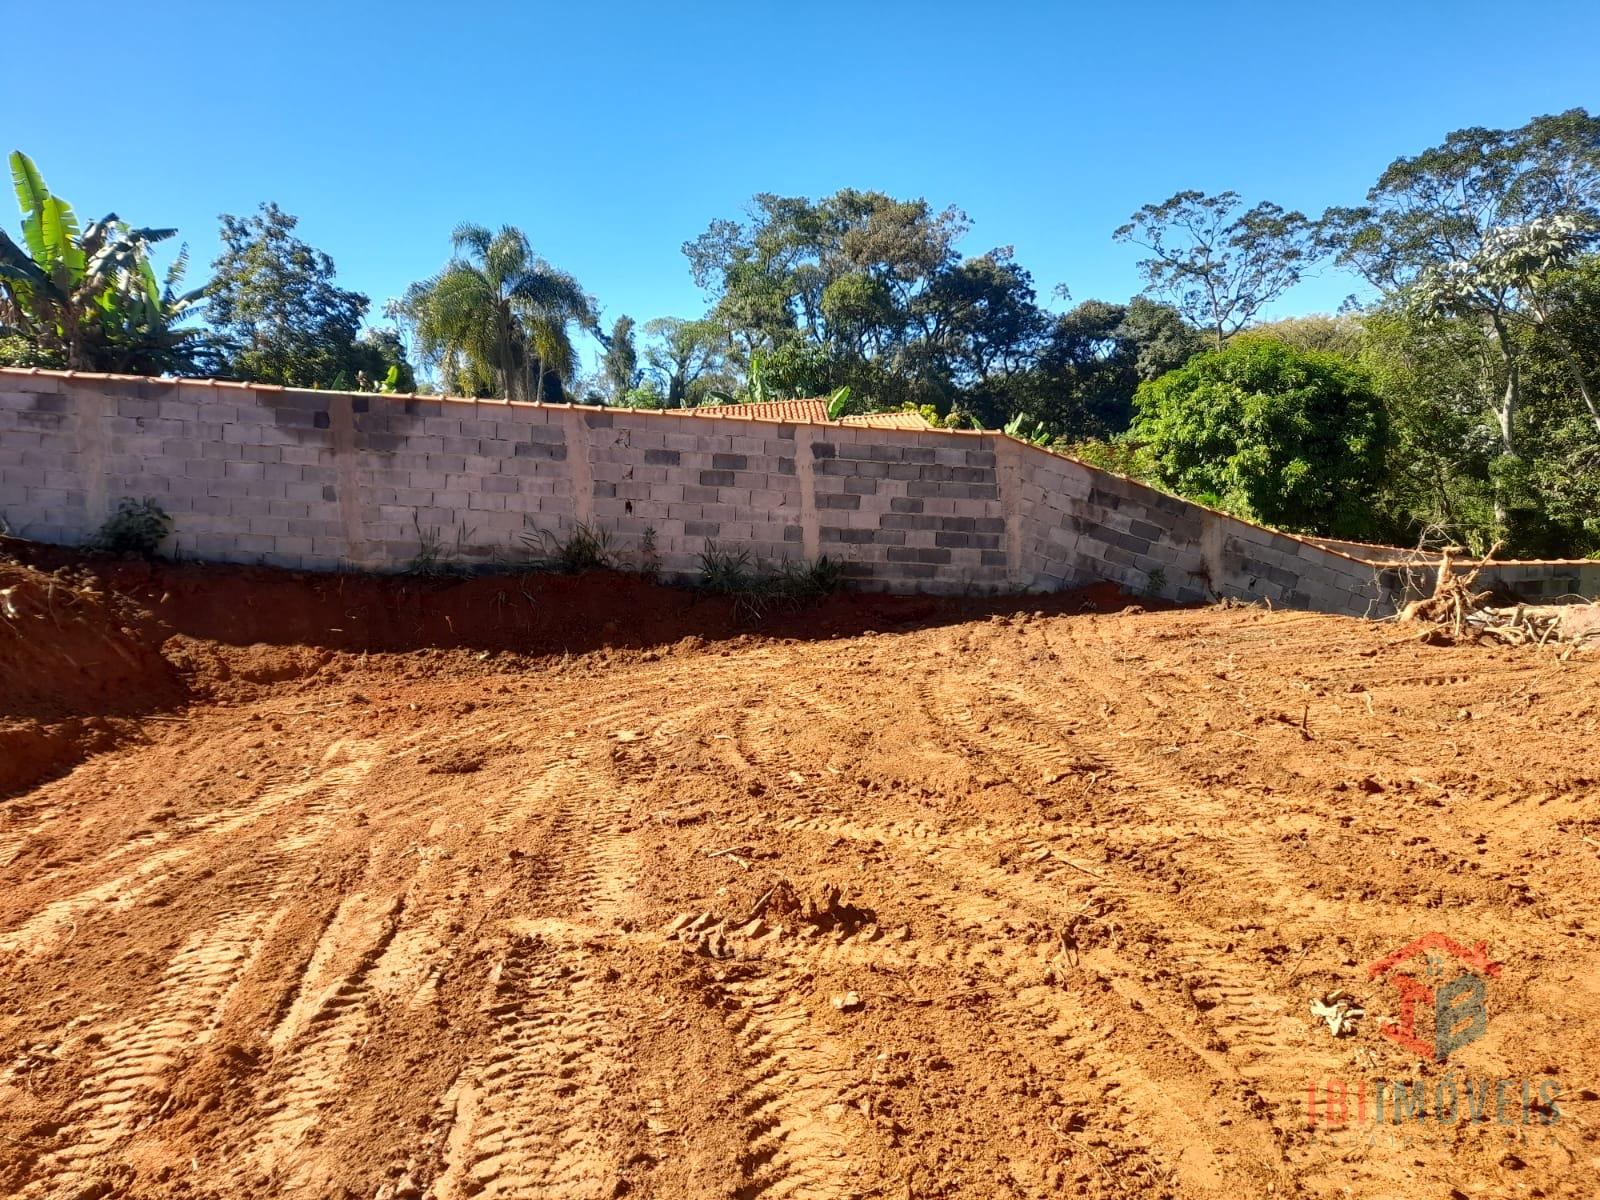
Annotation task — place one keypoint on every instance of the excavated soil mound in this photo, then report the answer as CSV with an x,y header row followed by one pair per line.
x,y
72,655
533,613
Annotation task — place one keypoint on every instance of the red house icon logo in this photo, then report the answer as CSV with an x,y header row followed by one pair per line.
x,y
1455,989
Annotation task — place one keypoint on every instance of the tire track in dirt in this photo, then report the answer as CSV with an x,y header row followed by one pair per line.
x,y
529,1120
125,1086
322,1024
988,940
322,794
1263,1030
533,1117
1247,1009
1248,867
1237,1001
385,954
792,1078
1005,947
801,1138
478,940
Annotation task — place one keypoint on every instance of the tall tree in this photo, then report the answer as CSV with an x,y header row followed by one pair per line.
x,y
1479,228
980,319
1430,373
686,358
281,316
1218,262
1094,358
499,319
832,292
621,362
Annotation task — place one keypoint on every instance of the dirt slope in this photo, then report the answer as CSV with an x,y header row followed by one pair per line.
x,y
461,924
74,656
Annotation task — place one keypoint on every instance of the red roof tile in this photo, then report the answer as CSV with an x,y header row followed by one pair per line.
x,y
809,412
888,420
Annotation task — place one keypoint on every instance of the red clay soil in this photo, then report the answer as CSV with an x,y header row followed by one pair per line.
x,y
74,657
532,613
1025,904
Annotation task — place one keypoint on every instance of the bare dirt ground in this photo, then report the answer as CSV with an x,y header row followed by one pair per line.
x,y
958,905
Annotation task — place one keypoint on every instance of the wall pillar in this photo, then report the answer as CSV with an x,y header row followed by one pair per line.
x,y
805,473
342,424
1008,476
580,470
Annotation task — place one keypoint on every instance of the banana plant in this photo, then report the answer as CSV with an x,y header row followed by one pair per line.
x,y
839,403
89,296
1028,430
757,389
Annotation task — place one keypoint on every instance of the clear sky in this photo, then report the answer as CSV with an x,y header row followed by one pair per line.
x,y
614,132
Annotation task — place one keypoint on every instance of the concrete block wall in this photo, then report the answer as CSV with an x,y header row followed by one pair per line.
x,y
1083,524
910,510
324,480
737,488
1536,582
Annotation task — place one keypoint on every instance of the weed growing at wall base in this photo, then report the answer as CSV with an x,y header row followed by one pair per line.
x,y
431,558
586,548
756,588
136,527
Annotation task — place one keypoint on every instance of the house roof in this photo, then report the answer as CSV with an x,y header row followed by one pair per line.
x,y
808,412
888,420
812,411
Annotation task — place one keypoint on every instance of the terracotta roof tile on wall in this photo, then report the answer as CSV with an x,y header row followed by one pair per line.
x,y
811,412
888,420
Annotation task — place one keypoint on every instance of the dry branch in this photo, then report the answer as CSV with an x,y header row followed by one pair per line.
x,y
1458,611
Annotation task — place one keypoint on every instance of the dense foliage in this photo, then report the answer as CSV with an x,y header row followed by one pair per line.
x,y
284,320
1295,438
88,298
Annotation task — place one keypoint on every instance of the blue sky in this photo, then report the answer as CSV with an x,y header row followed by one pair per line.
x,y
613,133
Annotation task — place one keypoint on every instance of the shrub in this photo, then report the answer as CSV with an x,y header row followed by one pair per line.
x,y
430,558
137,527
586,548
812,581
725,570
1294,438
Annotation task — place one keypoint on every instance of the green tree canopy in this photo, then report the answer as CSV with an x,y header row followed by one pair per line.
x,y
864,290
282,317
1480,228
1218,262
621,363
498,320
1094,358
1290,437
686,360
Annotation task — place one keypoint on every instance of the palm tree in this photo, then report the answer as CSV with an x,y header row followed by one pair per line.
x,y
498,319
